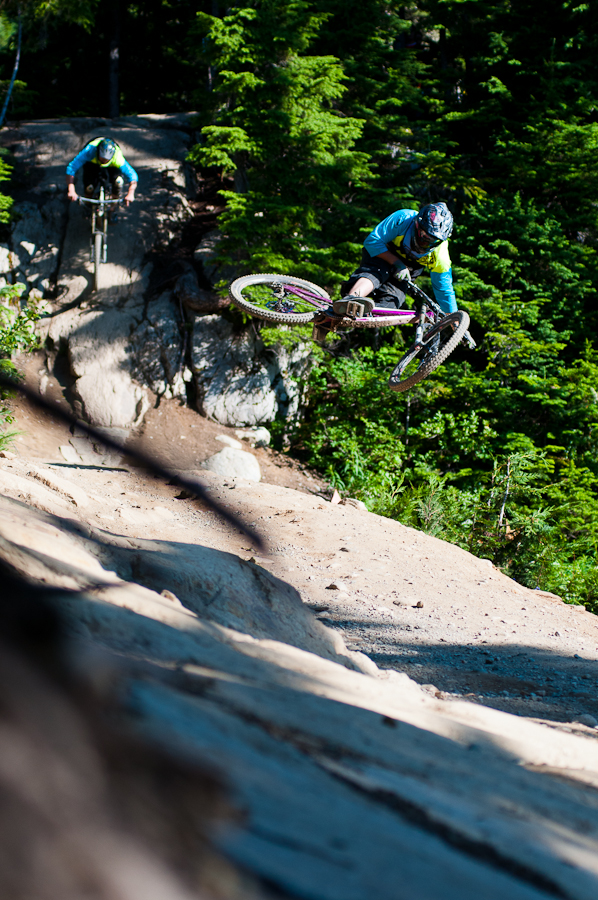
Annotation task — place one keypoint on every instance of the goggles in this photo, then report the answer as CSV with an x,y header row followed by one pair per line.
x,y
423,240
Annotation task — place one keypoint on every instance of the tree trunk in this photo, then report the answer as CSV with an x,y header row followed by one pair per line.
x,y
114,63
211,69
14,71
241,178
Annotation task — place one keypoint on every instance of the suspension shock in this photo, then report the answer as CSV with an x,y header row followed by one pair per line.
x,y
419,331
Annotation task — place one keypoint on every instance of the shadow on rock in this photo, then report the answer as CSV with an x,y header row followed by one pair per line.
x,y
188,291
216,586
85,800
222,588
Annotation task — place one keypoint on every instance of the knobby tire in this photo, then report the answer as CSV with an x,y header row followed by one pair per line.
x,y
237,287
367,321
460,320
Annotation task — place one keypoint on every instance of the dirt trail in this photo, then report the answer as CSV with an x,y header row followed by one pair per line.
x,y
409,601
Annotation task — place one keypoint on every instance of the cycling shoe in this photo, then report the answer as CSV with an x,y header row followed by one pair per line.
x,y
354,306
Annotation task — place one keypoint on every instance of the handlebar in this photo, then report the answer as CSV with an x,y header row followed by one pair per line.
x,y
416,293
89,200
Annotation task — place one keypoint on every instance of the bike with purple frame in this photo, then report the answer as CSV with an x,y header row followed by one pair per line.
x,y
295,301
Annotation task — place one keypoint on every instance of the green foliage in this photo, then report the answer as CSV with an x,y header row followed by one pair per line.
x,y
506,134
289,337
7,30
277,129
17,331
22,101
80,12
5,202
17,334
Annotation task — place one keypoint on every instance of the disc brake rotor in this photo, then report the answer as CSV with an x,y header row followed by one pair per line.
x,y
284,306
282,303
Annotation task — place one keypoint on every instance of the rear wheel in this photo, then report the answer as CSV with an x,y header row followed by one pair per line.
x,y
271,297
97,259
438,343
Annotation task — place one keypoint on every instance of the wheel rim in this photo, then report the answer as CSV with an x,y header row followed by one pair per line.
x,y
278,297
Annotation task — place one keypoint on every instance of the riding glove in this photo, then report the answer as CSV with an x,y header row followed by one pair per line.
x,y
402,272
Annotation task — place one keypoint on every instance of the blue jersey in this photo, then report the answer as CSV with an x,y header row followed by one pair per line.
x,y
396,233
90,154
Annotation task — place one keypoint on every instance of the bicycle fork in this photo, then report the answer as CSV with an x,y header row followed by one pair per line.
x,y
419,331
103,230
92,238
105,240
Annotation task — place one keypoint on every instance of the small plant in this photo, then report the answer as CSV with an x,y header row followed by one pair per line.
x,y
17,334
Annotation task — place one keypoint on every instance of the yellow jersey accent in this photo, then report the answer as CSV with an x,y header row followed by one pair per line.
x,y
437,260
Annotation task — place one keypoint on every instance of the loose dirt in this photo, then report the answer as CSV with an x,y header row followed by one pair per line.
x,y
409,601
175,434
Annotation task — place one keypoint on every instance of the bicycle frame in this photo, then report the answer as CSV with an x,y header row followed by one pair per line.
x,y
99,227
289,300
428,312
98,211
378,311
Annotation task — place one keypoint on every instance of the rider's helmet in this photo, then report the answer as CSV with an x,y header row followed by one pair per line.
x,y
106,150
433,225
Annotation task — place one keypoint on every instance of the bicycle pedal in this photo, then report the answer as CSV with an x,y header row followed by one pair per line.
x,y
353,306
355,310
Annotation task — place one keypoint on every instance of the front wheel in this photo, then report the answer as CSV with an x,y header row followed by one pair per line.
x,y
278,298
97,258
438,343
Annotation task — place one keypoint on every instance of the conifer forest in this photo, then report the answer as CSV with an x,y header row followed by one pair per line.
x,y
320,119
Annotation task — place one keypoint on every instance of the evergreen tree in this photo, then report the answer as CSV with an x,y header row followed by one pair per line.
x,y
505,133
24,14
278,128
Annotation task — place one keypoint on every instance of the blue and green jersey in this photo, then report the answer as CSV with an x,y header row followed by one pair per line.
x,y
395,233
90,154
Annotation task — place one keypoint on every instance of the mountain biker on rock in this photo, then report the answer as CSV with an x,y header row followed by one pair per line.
x,y
102,153
398,250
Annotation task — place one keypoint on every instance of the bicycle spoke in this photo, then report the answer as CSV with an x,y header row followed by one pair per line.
x,y
279,298
412,362
438,343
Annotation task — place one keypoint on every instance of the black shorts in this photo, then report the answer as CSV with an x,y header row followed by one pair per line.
x,y
91,175
387,288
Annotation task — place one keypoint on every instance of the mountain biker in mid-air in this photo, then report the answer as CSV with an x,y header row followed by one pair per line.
x,y
102,153
398,250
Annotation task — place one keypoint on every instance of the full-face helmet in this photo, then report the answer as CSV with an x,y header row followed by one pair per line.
x,y
433,225
106,150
